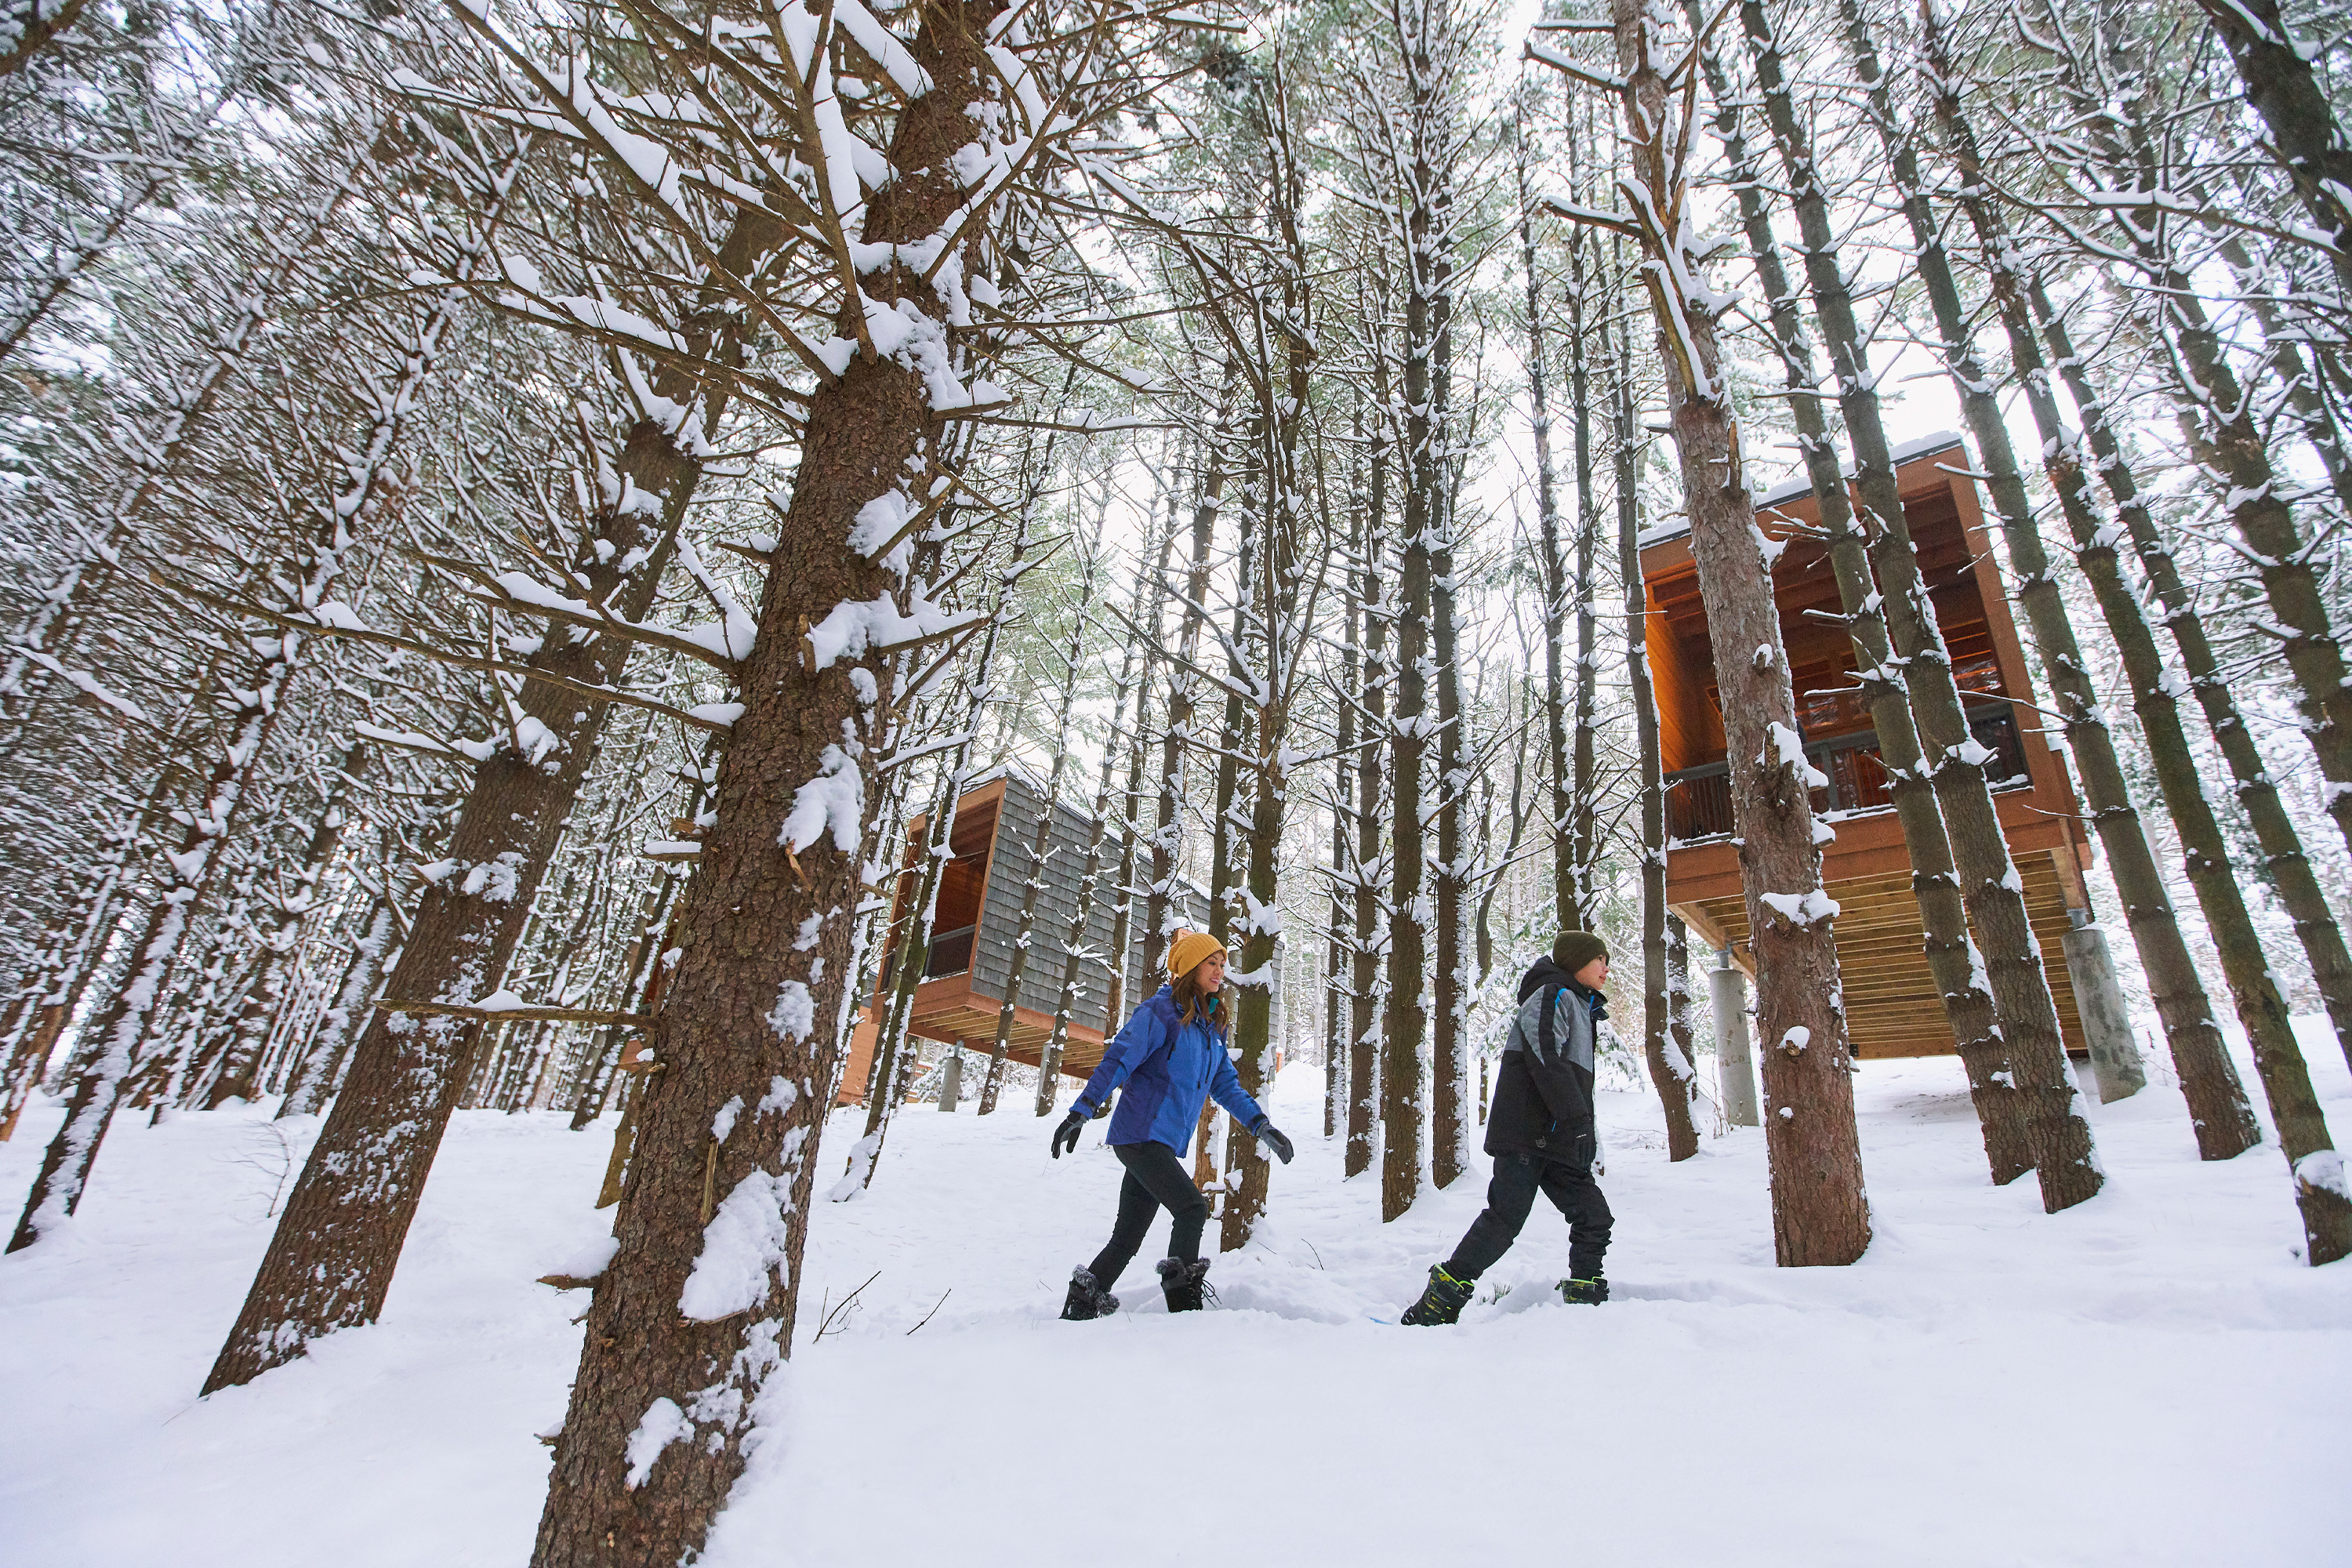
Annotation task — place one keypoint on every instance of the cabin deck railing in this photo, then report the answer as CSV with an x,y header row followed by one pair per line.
x,y
1698,800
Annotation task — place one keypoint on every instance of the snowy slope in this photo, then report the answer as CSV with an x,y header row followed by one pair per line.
x,y
2154,1378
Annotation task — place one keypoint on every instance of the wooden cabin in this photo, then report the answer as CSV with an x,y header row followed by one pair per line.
x,y
979,916
1892,1005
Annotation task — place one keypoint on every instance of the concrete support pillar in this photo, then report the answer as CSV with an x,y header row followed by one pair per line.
x,y
951,1077
1727,989
2106,1026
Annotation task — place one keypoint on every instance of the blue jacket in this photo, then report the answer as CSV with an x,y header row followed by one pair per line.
x,y
1169,1067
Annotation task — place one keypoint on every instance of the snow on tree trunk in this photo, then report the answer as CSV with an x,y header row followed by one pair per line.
x,y
2224,427
1671,1073
1820,1214
1951,952
321,1066
1042,844
338,1241
1366,988
695,1313
2294,1109
1552,564
2217,1100
2025,1010
2304,137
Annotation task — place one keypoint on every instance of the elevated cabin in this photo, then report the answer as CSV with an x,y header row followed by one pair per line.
x,y
1892,1005
978,917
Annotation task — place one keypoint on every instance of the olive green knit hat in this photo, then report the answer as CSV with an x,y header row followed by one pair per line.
x,y
1573,949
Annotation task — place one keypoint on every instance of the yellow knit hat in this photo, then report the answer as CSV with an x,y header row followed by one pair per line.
x,y
1186,950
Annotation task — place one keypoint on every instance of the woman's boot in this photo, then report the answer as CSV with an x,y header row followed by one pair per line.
x,y
1185,1284
1087,1300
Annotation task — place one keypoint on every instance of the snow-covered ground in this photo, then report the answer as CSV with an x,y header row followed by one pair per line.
x,y
2153,1378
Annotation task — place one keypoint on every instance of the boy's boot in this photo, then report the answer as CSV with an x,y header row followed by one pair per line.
x,y
1584,1292
1087,1300
1443,1302
1185,1284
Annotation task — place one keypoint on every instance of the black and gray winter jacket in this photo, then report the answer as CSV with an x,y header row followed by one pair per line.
x,y
1543,1095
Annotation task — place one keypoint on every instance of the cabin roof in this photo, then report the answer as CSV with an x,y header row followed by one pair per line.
x,y
1927,445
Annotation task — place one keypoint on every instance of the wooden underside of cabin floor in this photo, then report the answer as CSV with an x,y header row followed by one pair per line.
x,y
949,1009
1891,1002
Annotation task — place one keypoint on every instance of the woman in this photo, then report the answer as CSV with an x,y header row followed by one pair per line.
x,y
1172,1057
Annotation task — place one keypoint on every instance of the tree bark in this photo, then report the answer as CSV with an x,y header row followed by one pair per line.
x,y
1989,884
1951,952
2278,1059
37,26
2304,137
1367,1010
331,1259
686,1330
1820,1214
1671,1073
2224,434
1559,780
2217,1101
1041,843
2284,857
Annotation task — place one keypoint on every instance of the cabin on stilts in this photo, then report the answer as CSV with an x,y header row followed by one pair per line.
x,y
1892,1005
962,993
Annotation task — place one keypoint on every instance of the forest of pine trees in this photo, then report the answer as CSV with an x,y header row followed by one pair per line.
x,y
511,515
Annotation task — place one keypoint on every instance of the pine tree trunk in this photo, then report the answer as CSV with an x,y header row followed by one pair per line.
x,y
1820,1214
2304,137
2288,329
1268,586
636,972
331,1260
2281,843
1136,678
1669,1073
671,1348
1338,1011
1585,327
321,1065
122,1026
37,26
2225,436
1952,953
1041,842
1990,886
1168,829
2217,1101
265,993
256,701
1552,566
1454,983
2294,1109
1367,1010
1404,1025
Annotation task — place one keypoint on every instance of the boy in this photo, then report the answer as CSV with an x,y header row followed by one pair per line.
x,y
1540,1133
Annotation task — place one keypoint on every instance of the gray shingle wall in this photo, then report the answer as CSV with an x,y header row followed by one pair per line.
x,y
1058,879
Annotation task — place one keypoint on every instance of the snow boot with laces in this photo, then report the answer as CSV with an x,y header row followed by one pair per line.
x,y
1185,1284
1584,1292
1087,1300
1443,1302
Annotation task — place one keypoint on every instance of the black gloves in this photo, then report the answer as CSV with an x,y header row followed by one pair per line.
x,y
1065,1136
1270,1138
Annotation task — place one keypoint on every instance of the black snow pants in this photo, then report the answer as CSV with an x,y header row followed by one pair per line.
x,y
1509,1198
1156,1179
